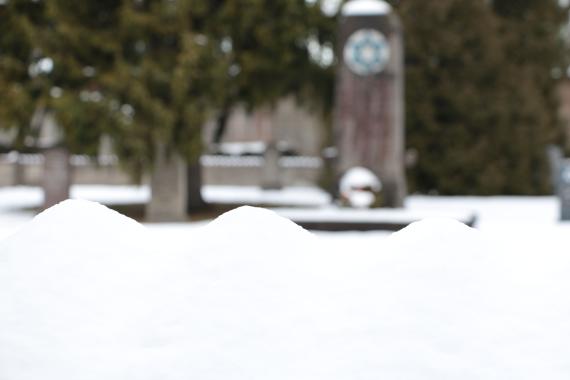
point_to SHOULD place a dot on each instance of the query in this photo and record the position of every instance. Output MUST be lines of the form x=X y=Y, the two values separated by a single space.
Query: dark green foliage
x=76 y=38
x=269 y=54
x=184 y=62
x=151 y=72
x=480 y=95
x=165 y=80
x=19 y=92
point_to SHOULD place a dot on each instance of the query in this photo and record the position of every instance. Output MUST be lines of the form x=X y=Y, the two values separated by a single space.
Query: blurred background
x=195 y=99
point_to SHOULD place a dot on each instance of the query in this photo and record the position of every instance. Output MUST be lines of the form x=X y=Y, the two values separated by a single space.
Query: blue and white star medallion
x=366 y=52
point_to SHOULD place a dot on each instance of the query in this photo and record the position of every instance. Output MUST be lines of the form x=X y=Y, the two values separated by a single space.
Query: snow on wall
x=85 y=294
x=366 y=8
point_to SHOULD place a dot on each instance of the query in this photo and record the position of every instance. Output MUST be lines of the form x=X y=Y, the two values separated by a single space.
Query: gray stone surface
x=564 y=189
x=240 y=171
x=168 y=188
x=301 y=128
x=555 y=159
x=369 y=104
x=271 y=170
x=56 y=176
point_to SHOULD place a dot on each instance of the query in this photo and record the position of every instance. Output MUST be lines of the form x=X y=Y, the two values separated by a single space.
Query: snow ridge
x=85 y=293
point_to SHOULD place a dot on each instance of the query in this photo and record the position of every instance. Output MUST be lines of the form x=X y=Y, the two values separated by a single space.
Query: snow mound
x=245 y=217
x=445 y=251
x=252 y=246
x=84 y=294
x=434 y=230
x=73 y=208
x=450 y=303
x=78 y=287
x=74 y=220
x=256 y=226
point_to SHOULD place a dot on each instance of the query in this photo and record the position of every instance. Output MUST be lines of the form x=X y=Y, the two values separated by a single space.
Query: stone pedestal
x=18 y=174
x=57 y=175
x=270 y=177
x=555 y=160
x=560 y=171
x=169 y=184
x=369 y=104
x=563 y=188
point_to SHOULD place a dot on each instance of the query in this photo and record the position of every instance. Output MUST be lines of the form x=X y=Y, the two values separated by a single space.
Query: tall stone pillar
x=57 y=171
x=56 y=179
x=369 y=104
x=271 y=173
x=563 y=187
x=168 y=183
x=270 y=177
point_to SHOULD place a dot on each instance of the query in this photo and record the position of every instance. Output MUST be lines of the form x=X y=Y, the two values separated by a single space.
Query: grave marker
x=564 y=189
x=369 y=104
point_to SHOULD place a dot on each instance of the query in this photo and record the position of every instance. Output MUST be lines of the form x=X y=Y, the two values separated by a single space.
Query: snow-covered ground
x=88 y=293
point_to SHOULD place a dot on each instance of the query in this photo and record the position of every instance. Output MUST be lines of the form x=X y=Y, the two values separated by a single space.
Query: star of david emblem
x=366 y=52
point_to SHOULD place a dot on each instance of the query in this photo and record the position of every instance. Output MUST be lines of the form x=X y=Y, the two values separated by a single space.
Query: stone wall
x=217 y=170
x=301 y=129
x=248 y=171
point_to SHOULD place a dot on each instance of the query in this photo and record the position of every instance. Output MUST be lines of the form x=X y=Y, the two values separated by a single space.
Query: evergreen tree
x=151 y=72
x=53 y=58
x=22 y=80
x=187 y=61
x=531 y=31
x=479 y=94
x=80 y=39
x=167 y=82
x=267 y=46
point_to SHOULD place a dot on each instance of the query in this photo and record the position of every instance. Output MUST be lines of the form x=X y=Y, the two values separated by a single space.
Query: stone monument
x=169 y=188
x=564 y=189
x=560 y=171
x=369 y=104
x=56 y=178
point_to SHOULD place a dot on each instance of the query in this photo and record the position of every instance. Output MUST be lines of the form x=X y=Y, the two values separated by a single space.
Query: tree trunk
x=57 y=176
x=168 y=201
x=195 y=200
x=221 y=124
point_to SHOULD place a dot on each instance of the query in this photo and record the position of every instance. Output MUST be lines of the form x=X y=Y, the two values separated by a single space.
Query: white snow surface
x=366 y=8
x=359 y=177
x=86 y=293
x=358 y=185
x=381 y=215
x=288 y=196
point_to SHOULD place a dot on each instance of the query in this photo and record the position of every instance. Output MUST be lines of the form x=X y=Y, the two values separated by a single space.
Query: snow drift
x=85 y=293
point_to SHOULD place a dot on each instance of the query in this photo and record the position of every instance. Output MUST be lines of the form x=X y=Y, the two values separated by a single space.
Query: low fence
x=26 y=169
x=248 y=171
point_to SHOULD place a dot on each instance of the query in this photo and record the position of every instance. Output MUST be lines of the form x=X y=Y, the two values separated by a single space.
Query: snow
x=241 y=148
x=359 y=187
x=359 y=177
x=338 y=214
x=288 y=196
x=88 y=293
x=15 y=198
x=366 y=8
